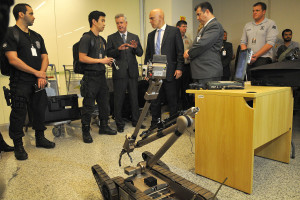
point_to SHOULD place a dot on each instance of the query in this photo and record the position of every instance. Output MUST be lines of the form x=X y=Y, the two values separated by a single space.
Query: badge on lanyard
x=33 y=51
x=253 y=40
x=224 y=52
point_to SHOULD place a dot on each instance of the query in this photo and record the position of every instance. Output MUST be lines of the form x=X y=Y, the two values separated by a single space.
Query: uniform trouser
x=120 y=86
x=23 y=99
x=168 y=90
x=94 y=88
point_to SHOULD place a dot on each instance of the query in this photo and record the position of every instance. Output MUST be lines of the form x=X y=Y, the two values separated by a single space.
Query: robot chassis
x=151 y=178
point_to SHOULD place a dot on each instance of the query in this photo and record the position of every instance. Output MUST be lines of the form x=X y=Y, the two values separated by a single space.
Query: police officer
x=26 y=52
x=259 y=35
x=226 y=56
x=94 y=85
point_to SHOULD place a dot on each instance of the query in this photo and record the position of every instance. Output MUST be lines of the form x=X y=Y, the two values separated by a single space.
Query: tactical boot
x=19 y=150
x=86 y=136
x=3 y=146
x=105 y=129
x=41 y=141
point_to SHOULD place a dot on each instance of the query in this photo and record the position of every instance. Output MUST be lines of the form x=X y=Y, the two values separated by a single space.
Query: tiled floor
x=65 y=171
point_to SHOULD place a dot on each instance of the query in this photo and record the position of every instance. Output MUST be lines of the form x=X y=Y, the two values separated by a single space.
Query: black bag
x=78 y=67
x=64 y=107
x=4 y=64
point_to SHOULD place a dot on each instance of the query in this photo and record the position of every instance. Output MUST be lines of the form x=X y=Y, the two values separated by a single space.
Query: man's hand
x=186 y=54
x=178 y=74
x=41 y=83
x=107 y=60
x=40 y=74
x=123 y=46
x=133 y=44
x=253 y=59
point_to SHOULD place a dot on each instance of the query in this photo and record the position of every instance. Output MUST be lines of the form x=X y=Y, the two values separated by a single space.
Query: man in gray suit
x=124 y=47
x=205 y=54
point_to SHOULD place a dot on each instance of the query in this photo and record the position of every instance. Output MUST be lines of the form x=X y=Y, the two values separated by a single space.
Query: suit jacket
x=125 y=59
x=171 y=46
x=205 y=52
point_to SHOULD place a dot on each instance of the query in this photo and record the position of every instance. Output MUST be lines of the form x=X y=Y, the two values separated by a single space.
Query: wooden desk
x=234 y=125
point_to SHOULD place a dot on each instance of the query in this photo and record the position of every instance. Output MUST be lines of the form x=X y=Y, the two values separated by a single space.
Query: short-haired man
x=184 y=81
x=26 y=52
x=287 y=35
x=205 y=56
x=260 y=36
x=94 y=86
x=124 y=46
x=226 y=56
x=165 y=40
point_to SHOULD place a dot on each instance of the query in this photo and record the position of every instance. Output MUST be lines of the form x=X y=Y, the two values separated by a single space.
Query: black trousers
x=94 y=88
x=184 y=100
x=260 y=61
x=23 y=95
x=169 y=92
x=120 y=87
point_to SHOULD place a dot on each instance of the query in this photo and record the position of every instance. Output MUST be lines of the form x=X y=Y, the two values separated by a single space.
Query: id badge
x=100 y=55
x=253 y=40
x=224 y=53
x=33 y=51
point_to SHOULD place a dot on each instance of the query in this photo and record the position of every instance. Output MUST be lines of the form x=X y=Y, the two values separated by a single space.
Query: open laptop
x=238 y=83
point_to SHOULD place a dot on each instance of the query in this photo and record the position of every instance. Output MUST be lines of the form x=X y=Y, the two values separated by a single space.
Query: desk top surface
x=249 y=91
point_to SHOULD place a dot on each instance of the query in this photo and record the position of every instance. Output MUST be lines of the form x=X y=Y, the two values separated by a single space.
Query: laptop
x=238 y=83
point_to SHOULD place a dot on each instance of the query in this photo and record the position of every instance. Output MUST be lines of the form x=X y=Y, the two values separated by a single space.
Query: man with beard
x=287 y=36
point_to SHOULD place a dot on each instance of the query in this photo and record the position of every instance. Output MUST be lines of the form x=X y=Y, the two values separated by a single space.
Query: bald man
x=165 y=40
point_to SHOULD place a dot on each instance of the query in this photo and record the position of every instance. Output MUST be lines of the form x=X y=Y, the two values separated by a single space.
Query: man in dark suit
x=205 y=55
x=124 y=47
x=226 y=56
x=165 y=40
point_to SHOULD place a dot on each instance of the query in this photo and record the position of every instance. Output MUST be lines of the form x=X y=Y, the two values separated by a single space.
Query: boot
x=3 y=146
x=105 y=129
x=86 y=136
x=20 y=152
x=41 y=141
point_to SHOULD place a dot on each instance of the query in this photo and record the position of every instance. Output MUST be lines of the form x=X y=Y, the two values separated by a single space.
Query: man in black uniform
x=94 y=85
x=226 y=56
x=25 y=50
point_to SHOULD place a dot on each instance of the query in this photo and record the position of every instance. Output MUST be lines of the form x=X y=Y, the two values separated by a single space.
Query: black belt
x=94 y=73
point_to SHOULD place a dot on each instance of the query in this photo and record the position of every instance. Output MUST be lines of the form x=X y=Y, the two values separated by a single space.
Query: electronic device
x=238 y=83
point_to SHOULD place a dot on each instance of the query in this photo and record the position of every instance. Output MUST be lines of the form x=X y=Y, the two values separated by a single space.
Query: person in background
x=226 y=56
x=287 y=35
x=260 y=36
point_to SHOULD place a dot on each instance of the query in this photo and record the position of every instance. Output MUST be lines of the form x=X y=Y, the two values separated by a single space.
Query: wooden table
x=234 y=125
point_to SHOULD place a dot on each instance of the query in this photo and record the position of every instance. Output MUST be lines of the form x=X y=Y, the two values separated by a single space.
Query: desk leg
x=277 y=149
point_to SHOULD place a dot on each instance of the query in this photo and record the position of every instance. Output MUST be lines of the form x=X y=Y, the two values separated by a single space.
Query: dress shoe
x=105 y=129
x=142 y=126
x=3 y=146
x=120 y=129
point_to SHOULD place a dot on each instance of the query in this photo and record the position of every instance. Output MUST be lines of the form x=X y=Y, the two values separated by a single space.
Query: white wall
x=62 y=22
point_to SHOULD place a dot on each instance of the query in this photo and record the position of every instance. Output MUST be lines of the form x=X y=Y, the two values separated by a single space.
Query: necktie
x=123 y=37
x=157 y=45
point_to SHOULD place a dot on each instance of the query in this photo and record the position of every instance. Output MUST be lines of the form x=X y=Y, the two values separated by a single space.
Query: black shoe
x=44 y=143
x=87 y=138
x=142 y=126
x=19 y=150
x=120 y=129
x=105 y=129
x=3 y=146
